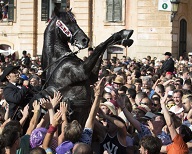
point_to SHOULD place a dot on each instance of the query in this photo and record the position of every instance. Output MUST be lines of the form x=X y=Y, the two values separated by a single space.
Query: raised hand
x=63 y=107
x=150 y=126
x=163 y=99
x=165 y=129
x=36 y=106
x=100 y=87
x=25 y=111
x=57 y=118
x=45 y=103
x=56 y=98
x=25 y=82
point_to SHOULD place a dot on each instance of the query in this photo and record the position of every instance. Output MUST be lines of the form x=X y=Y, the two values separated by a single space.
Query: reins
x=58 y=60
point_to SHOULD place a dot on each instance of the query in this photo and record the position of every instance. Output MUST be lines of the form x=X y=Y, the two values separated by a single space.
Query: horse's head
x=67 y=28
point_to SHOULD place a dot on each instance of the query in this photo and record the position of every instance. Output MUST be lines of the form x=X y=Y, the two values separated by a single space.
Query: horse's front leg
x=117 y=38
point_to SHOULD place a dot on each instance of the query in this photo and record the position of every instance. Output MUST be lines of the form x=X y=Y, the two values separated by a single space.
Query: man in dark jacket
x=15 y=96
x=168 y=65
x=25 y=59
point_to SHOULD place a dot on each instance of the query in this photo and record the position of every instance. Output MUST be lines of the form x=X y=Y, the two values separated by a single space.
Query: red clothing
x=178 y=146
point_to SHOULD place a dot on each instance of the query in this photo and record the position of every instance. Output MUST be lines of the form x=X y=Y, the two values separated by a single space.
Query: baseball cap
x=169 y=73
x=65 y=148
x=37 y=136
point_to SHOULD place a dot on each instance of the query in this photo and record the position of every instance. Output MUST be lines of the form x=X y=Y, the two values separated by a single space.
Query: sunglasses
x=170 y=105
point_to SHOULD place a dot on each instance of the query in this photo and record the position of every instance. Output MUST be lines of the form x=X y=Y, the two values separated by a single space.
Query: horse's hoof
x=127 y=43
x=123 y=34
x=126 y=34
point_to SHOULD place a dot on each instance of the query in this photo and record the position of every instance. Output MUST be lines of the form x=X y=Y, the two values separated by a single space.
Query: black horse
x=64 y=71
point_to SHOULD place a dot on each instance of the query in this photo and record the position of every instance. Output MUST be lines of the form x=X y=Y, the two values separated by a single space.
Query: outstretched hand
x=25 y=111
x=36 y=106
x=45 y=103
x=100 y=87
x=163 y=99
x=150 y=126
x=56 y=98
x=63 y=107
x=57 y=118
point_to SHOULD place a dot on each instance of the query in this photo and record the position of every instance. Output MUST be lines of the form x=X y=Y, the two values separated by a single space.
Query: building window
x=114 y=10
x=47 y=7
x=183 y=37
x=44 y=10
x=7 y=10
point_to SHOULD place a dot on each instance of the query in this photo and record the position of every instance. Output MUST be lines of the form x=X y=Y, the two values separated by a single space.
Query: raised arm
x=45 y=103
x=35 y=118
x=95 y=107
x=120 y=125
x=156 y=83
x=168 y=118
x=6 y=111
x=128 y=115
x=25 y=114
x=63 y=109
x=56 y=99
x=52 y=129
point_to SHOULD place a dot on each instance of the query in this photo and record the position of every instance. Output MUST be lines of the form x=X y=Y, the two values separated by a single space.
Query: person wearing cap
x=108 y=108
x=168 y=65
x=118 y=82
x=169 y=75
x=15 y=97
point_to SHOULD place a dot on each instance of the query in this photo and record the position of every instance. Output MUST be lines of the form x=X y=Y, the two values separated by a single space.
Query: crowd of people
x=139 y=106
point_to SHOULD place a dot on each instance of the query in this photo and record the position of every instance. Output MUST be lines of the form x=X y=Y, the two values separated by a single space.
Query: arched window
x=114 y=10
x=183 y=37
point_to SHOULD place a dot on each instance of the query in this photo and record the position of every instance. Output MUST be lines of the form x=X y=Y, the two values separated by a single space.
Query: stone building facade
x=154 y=33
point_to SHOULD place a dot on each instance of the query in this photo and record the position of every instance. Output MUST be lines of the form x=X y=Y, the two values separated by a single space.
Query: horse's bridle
x=67 y=32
